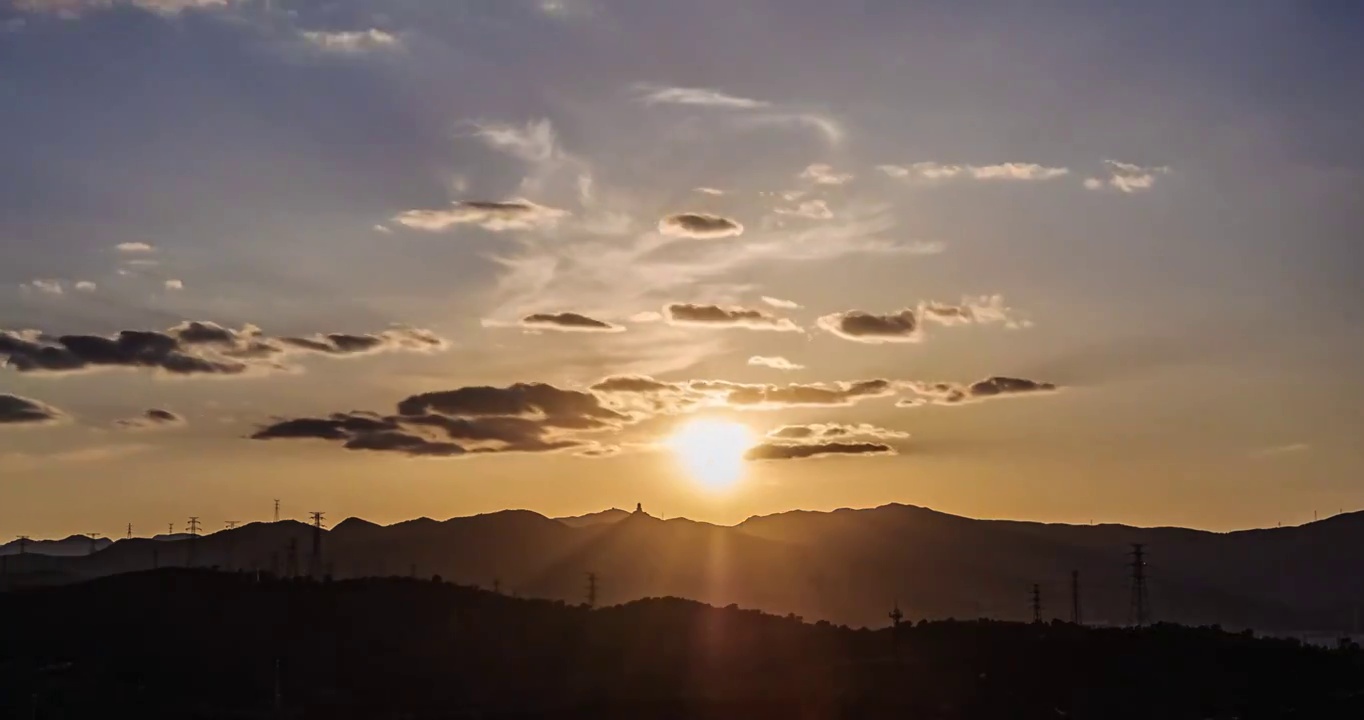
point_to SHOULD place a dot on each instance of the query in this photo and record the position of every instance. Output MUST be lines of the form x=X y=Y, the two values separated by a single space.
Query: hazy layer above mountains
x=846 y=566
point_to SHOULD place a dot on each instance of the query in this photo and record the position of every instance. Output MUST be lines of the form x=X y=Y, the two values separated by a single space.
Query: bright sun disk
x=712 y=451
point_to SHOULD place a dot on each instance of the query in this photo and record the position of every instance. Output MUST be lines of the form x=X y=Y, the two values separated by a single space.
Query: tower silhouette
x=896 y=616
x=94 y=542
x=276 y=509
x=23 y=544
x=1036 y=603
x=291 y=560
x=315 y=558
x=130 y=531
x=591 y=590
x=1076 y=616
x=1140 y=608
x=193 y=527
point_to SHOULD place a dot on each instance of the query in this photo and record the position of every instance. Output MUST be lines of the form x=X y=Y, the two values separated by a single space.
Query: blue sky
x=1146 y=210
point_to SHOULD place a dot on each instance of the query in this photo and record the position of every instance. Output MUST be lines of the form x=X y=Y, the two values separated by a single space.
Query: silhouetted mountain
x=596 y=518
x=66 y=547
x=846 y=566
x=197 y=644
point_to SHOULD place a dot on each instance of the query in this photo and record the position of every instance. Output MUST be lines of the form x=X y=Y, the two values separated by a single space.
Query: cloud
x=699 y=225
x=15 y=410
x=863 y=327
x=195 y=348
x=525 y=417
x=812 y=209
x=979 y=310
x=664 y=95
x=568 y=322
x=350 y=41
x=494 y=216
x=772 y=397
x=825 y=431
x=134 y=247
x=646 y=316
x=780 y=303
x=535 y=142
x=935 y=171
x=783 y=451
x=634 y=384
x=1278 y=450
x=710 y=191
x=382 y=228
x=75 y=8
x=774 y=362
x=151 y=420
x=716 y=316
x=827 y=127
x=51 y=287
x=175 y=285
x=86 y=286
x=948 y=393
x=822 y=174
x=1127 y=177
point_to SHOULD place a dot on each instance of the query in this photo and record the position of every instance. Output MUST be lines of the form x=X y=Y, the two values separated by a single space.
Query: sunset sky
x=400 y=258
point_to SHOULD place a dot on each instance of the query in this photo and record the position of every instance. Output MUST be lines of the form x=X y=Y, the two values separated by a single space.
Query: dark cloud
x=699 y=225
x=948 y=393
x=151 y=419
x=782 y=451
x=569 y=322
x=194 y=348
x=793 y=395
x=15 y=410
x=865 y=327
x=494 y=216
x=717 y=316
x=817 y=431
x=633 y=384
x=531 y=417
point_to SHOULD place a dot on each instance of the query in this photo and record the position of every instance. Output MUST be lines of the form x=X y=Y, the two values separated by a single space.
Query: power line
x=1076 y=616
x=1140 y=600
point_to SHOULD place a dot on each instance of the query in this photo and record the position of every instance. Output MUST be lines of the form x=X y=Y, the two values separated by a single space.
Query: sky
x=402 y=258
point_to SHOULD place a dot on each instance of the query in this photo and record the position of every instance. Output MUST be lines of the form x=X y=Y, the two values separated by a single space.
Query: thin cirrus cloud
x=780 y=303
x=701 y=226
x=1127 y=177
x=19 y=411
x=689 y=314
x=743 y=112
x=75 y=8
x=864 y=327
x=775 y=362
x=977 y=310
x=1009 y=171
x=195 y=348
x=518 y=214
x=568 y=322
x=42 y=285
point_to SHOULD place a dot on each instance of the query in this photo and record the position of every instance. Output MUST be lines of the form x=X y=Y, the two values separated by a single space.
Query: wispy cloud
x=351 y=41
x=1280 y=450
x=1009 y=171
x=1127 y=177
x=134 y=247
x=775 y=362
x=823 y=174
x=518 y=214
x=662 y=94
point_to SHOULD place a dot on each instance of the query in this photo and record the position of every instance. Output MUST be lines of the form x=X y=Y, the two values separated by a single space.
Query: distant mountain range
x=847 y=566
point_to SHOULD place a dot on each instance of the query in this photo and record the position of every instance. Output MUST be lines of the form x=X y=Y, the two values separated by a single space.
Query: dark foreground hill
x=200 y=644
x=846 y=566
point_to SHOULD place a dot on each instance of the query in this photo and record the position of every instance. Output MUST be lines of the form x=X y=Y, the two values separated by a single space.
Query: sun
x=712 y=451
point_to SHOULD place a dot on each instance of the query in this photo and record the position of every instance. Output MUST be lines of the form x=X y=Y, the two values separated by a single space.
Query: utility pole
x=1076 y=616
x=276 y=509
x=1140 y=602
x=1036 y=603
x=591 y=590
x=94 y=542
x=315 y=561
